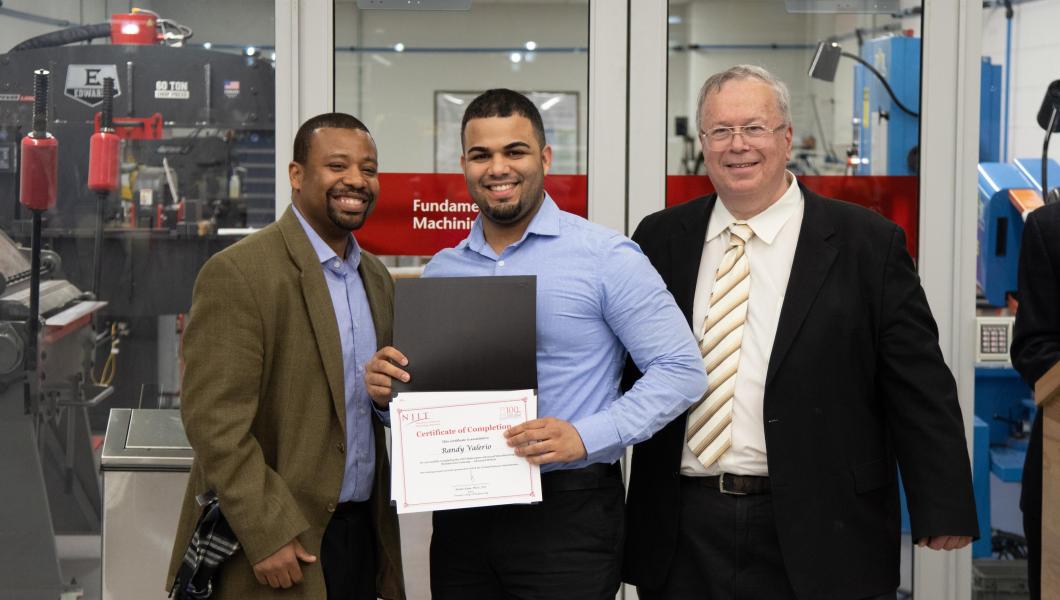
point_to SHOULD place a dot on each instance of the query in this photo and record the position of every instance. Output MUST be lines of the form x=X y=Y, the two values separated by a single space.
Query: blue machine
x=1003 y=402
x=990 y=84
x=1001 y=225
x=885 y=133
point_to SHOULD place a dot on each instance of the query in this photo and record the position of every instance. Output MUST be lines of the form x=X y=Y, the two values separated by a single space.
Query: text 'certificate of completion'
x=449 y=450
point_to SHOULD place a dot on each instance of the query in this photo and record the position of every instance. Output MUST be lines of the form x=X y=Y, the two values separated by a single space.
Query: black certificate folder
x=467 y=333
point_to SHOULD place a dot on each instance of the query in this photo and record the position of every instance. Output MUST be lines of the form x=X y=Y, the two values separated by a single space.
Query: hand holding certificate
x=467 y=354
x=449 y=450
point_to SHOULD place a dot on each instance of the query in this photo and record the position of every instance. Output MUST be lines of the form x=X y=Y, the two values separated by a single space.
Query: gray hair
x=740 y=72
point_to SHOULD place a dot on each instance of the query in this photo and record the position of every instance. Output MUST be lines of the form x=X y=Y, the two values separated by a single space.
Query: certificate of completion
x=449 y=450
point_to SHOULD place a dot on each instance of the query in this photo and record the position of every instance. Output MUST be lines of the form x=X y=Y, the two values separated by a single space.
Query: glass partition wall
x=409 y=74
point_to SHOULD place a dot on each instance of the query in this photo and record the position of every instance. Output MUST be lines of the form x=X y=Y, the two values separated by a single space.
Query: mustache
x=364 y=195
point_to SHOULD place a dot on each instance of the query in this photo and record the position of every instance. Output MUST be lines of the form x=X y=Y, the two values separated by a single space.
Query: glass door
x=906 y=148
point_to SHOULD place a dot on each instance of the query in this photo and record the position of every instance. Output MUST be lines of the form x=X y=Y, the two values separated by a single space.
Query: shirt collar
x=323 y=250
x=545 y=222
x=766 y=224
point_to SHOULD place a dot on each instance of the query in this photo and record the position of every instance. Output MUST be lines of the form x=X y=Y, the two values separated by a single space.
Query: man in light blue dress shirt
x=598 y=298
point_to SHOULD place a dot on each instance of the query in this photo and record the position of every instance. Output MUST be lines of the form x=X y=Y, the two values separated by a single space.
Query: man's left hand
x=945 y=542
x=546 y=440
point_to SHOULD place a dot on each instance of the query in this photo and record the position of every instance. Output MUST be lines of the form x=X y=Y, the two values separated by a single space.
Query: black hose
x=81 y=33
x=886 y=86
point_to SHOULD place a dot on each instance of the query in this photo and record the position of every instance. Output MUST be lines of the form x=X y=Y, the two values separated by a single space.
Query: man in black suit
x=1036 y=348
x=825 y=374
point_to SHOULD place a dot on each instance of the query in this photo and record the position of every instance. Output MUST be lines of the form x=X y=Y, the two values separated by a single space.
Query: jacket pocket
x=873 y=475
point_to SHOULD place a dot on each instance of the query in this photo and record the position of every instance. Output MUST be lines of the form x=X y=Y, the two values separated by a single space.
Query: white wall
x=1035 y=49
x=15 y=30
x=394 y=92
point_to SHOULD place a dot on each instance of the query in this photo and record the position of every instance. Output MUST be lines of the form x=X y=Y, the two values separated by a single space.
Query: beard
x=346 y=221
x=507 y=213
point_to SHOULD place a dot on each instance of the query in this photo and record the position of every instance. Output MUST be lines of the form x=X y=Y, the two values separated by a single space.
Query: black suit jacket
x=1036 y=339
x=856 y=385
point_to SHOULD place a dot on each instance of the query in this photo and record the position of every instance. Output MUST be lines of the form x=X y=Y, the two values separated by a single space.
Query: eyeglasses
x=719 y=138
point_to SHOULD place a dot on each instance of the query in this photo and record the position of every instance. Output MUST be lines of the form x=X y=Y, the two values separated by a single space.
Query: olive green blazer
x=263 y=407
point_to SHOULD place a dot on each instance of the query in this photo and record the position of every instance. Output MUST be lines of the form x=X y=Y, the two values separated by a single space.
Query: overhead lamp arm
x=826 y=61
x=886 y=85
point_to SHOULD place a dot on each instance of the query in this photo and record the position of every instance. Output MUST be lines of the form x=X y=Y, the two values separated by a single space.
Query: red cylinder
x=103 y=162
x=134 y=28
x=40 y=166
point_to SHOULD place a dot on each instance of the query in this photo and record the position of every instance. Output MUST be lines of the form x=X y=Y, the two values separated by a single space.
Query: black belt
x=736 y=485
x=592 y=477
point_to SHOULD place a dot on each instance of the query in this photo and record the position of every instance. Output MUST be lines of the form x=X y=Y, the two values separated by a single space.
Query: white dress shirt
x=770 y=253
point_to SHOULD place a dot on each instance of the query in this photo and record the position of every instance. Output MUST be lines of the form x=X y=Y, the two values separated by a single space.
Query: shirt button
x=330 y=507
x=336 y=264
x=341 y=447
x=500 y=263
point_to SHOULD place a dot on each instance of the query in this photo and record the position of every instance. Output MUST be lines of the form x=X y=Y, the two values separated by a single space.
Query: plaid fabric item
x=211 y=544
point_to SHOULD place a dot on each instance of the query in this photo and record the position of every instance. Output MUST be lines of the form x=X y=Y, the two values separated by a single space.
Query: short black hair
x=334 y=120
x=501 y=102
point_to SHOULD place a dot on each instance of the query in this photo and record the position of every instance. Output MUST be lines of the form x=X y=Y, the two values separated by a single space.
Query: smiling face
x=505 y=168
x=337 y=187
x=747 y=173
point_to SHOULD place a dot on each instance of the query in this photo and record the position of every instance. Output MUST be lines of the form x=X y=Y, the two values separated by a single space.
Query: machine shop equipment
x=885 y=121
x=169 y=102
x=50 y=474
x=196 y=158
x=196 y=129
x=1008 y=193
x=190 y=136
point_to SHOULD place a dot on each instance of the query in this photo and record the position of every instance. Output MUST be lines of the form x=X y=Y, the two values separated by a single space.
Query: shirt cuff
x=599 y=435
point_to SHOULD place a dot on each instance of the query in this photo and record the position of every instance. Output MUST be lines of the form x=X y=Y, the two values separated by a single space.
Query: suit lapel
x=686 y=250
x=814 y=255
x=318 y=304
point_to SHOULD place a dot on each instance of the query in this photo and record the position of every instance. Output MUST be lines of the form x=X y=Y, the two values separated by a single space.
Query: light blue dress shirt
x=357 y=332
x=597 y=297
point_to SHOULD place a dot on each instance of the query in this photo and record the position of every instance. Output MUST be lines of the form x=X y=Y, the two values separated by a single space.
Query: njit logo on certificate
x=414 y=416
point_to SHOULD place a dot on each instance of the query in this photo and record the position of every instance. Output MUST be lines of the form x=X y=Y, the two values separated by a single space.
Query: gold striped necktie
x=710 y=420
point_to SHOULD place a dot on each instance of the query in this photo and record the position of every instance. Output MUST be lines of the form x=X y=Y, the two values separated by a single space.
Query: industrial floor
x=80 y=561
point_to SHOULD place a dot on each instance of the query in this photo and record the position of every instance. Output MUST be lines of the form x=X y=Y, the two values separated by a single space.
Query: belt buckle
x=721 y=487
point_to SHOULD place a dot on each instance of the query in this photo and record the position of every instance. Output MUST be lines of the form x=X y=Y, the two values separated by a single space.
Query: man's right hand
x=281 y=568
x=380 y=372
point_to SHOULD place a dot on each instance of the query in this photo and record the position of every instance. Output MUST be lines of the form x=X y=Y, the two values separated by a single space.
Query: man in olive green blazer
x=268 y=398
